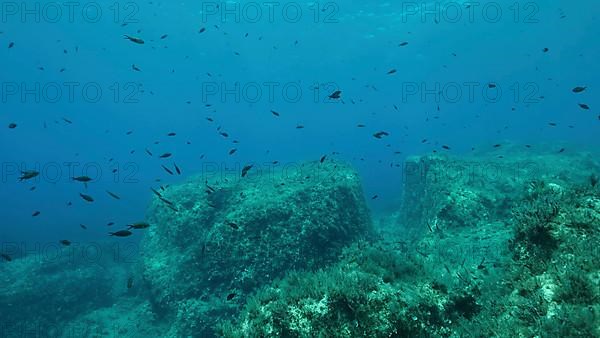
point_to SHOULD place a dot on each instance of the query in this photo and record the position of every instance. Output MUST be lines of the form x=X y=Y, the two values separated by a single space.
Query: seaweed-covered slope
x=231 y=236
x=42 y=293
x=512 y=257
x=481 y=188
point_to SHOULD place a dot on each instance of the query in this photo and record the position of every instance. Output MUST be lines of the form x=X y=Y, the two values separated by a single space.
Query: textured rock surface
x=232 y=236
x=41 y=293
x=511 y=257
x=481 y=188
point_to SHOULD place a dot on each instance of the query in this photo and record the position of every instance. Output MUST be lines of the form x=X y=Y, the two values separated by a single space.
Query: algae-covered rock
x=350 y=299
x=516 y=257
x=231 y=236
x=521 y=245
x=475 y=190
x=44 y=291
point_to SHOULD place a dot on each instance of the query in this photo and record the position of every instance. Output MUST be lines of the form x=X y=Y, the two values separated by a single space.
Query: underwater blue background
x=355 y=51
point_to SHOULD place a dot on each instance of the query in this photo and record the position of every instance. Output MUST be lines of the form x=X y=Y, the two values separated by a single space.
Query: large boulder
x=217 y=238
x=513 y=255
x=450 y=192
x=42 y=292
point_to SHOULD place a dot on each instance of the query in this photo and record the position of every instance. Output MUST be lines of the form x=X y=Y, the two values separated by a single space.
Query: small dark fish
x=138 y=225
x=83 y=179
x=579 y=89
x=166 y=155
x=402 y=44
x=497 y=145
x=148 y=152
x=171 y=134
x=360 y=126
x=164 y=37
x=491 y=85
x=121 y=233
x=113 y=195
x=545 y=50
x=110 y=224
x=67 y=120
x=87 y=198
x=166 y=201
x=177 y=169
x=202 y=30
x=27 y=175
x=232 y=151
x=446 y=147
x=231 y=296
x=11 y=45
x=552 y=124
x=156 y=192
x=65 y=242
x=167 y=170
x=224 y=134
x=584 y=106
x=12 y=126
x=134 y=39
x=130 y=282
x=83 y=226
x=391 y=71
x=245 y=169
x=299 y=126
x=561 y=150
x=172 y=208
x=233 y=225
x=322 y=158
x=336 y=94
x=380 y=134
x=6 y=257
x=136 y=68
x=374 y=197
x=275 y=113
x=35 y=214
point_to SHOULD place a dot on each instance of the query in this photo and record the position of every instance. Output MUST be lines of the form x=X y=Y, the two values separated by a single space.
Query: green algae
x=469 y=253
x=515 y=254
x=280 y=224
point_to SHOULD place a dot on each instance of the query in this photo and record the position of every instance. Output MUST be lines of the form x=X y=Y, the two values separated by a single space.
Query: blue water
x=346 y=46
